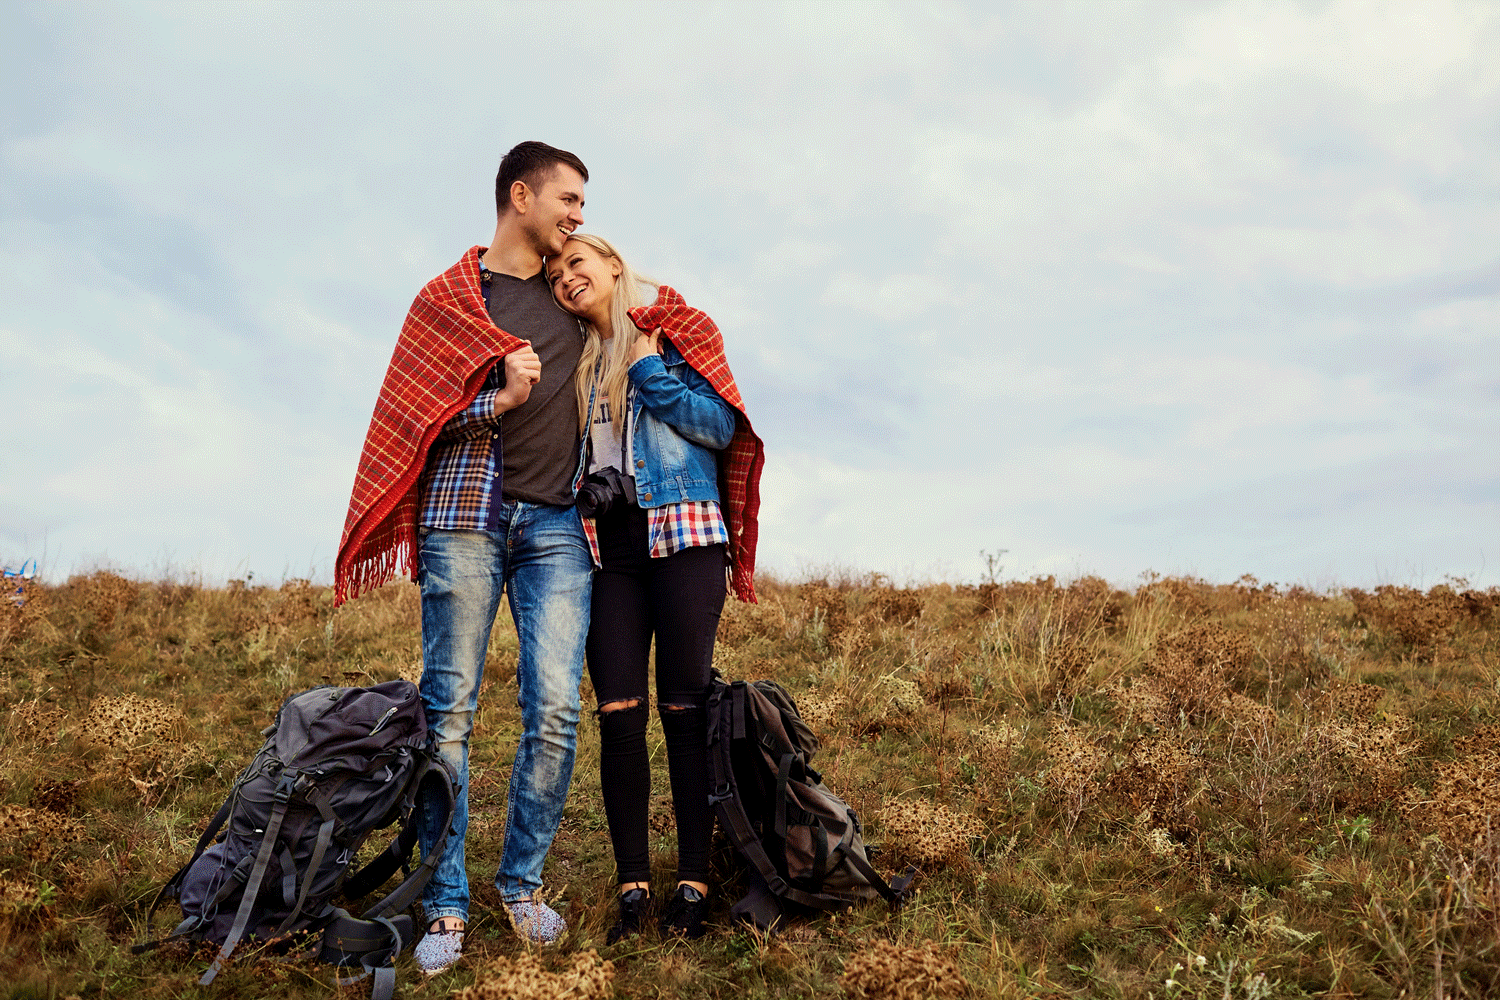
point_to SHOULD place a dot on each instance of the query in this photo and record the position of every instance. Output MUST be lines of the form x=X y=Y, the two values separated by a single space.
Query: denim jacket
x=678 y=422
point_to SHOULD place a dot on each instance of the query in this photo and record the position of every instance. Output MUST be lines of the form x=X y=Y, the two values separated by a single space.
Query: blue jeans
x=541 y=557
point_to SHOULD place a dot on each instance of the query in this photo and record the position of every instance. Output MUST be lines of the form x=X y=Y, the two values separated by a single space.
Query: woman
x=665 y=425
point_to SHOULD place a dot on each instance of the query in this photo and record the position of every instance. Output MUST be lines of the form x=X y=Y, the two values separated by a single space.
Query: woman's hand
x=645 y=345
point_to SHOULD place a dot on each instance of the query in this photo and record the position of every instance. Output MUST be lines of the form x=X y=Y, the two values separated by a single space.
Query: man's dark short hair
x=532 y=163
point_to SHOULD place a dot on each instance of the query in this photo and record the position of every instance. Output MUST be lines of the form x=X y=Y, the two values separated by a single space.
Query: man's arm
x=523 y=369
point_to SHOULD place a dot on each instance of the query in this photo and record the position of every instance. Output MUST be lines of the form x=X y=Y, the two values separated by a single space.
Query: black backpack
x=337 y=764
x=802 y=844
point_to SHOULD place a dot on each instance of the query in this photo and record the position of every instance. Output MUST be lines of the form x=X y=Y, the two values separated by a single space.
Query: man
x=467 y=481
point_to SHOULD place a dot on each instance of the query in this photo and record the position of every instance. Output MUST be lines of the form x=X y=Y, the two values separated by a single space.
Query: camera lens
x=594 y=499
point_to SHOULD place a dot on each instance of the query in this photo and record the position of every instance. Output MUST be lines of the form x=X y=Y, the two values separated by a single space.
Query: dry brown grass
x=1462 y=804
x=1298 y=786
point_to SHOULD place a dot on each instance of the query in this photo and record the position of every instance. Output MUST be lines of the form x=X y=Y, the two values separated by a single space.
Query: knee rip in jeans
x=624 y=704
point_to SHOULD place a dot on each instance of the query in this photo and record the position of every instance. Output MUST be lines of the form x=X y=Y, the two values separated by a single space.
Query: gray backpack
x=802 y=844
x=338 y=763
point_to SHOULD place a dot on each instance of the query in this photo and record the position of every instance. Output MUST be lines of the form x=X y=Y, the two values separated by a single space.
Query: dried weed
x=1159 y=778
x=1461 y=806
x=924 y=832
x=888 y=971
x=1421 y=621
x=36 y=835
x=32 y=721
x=823 y=713
x=1196 y=667
x=1075 y=770
x=128 y=722
x=527 y=977
x=995 y=746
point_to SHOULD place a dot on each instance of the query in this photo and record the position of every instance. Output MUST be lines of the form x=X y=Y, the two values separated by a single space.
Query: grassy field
x=1181 y=790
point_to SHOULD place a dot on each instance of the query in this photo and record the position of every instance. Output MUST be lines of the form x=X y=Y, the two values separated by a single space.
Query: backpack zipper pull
x=380 y=723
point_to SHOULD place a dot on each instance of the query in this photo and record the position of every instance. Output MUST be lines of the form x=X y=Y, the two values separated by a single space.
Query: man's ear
x=520 y=197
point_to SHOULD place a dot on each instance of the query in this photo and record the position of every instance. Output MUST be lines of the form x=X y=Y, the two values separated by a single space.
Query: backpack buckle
x=285 y=785
x=720 y=794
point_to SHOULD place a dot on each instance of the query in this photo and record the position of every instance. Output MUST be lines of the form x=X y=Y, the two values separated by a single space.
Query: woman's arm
x=689 y=404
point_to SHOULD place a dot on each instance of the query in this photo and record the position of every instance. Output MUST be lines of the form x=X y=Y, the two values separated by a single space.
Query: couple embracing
x=547 y=431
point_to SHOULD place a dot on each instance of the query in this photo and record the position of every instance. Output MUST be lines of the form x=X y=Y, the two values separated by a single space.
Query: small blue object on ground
x=27 y=572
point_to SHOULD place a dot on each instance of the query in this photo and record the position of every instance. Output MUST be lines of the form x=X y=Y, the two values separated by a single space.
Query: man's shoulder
x=454 y=280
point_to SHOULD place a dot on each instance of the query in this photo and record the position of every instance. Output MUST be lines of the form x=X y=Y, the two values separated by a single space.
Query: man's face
x=556 y=210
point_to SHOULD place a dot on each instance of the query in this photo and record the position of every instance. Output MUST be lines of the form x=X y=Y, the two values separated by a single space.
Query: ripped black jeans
x=678 y=600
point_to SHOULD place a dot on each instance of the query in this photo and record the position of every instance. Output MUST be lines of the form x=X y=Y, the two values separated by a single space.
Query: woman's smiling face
x=582 y=280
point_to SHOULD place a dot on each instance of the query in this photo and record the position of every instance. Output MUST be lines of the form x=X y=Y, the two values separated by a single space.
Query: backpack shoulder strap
x=374 y=944
x=724 y=722
x=282 y=796
x=325 y=837
x=897 y=889
x=436 y=781
x=383 y=866
x=174 y=884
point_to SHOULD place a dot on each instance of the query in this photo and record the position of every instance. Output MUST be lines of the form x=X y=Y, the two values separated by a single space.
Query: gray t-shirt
x=539 y=439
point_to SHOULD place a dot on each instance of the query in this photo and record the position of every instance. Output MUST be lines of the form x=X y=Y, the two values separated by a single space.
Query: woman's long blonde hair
x=611 y=376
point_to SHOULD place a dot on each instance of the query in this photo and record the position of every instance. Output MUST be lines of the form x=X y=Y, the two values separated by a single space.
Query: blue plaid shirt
x=457 y=485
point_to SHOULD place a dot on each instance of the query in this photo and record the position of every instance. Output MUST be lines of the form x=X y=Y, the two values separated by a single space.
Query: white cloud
x=1056 y=278
x=1470 y=322
x=898 y=298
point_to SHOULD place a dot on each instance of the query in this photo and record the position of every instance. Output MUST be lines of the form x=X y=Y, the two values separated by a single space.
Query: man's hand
x=523 y=369
x=645 y=345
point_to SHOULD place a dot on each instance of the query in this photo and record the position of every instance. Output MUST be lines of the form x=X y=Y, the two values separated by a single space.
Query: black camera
x=600 y=491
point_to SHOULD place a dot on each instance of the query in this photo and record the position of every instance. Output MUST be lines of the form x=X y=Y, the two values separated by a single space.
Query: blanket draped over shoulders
x=697 y=337
x=447 y=347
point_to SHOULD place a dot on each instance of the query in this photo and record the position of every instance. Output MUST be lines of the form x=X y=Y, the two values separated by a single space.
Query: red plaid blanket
x=446 y=349
x=697 y=337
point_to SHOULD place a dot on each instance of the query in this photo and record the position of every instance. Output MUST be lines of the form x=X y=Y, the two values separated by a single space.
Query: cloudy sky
x=1206 y=288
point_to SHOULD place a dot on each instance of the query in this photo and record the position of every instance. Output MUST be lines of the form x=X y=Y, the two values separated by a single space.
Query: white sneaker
x=535 y=921
x=439 y=950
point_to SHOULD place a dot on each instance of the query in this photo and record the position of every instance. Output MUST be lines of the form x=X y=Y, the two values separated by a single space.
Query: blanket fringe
x=378 y=559
x=373 y=572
